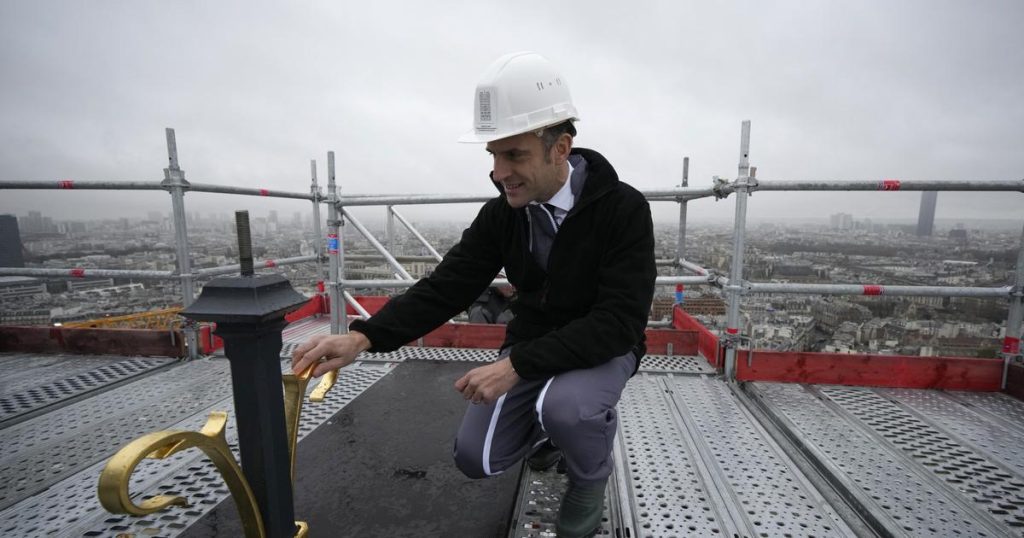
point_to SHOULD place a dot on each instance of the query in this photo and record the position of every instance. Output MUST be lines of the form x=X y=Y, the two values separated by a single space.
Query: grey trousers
x=576 y=410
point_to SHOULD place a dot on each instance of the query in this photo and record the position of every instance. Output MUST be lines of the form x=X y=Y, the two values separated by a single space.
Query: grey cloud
x=867 y=90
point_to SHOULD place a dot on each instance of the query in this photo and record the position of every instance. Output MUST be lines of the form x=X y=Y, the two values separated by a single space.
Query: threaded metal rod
x=244 y=242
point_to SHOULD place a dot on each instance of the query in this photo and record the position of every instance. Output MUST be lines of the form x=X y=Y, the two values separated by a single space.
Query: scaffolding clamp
x=720 y=187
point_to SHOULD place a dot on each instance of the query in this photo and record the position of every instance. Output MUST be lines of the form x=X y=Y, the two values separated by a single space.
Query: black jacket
x=590 y=306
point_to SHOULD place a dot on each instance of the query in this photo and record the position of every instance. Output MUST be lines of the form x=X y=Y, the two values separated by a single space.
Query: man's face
x=523 y=172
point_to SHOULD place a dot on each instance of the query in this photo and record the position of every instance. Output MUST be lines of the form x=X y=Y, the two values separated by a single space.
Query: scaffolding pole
x=71 y=184
x=380 y=284
x=672 y=280
x=376 y=245
x=262 y=264
x=411 y=199
x=692 y=267
x=681 y=238
x=412 y=229
x=335 y=252
x=249 y=191
x=356 y=306
x=875 y=289
x=318 y=243
x=1014 y=185
x=389 y=229
x=1011 y=340
x=81 y=272
x=378 y=257
x=734 y=289
x=175 y=183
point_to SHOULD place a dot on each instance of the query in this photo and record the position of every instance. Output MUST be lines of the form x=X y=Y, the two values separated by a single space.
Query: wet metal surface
x=691 y=458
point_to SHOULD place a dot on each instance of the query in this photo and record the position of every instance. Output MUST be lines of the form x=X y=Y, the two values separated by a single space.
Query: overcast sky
x=835 y=90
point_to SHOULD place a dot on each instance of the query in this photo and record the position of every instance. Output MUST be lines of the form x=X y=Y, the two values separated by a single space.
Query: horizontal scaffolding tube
x=264 y=264
x=677 y=194
x=69 y=184
x=681 y=194
x=667 y=280
x=867 y=289
x=411 y=199
x=891 y=185
x=373 y=284
x=79 y=272
x=692 y=267
x=249 y=191
x=378 y=257
x=377 y=284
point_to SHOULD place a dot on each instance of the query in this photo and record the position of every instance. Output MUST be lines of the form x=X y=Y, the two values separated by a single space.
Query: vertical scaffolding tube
x=335 y=250
x=681 y=238
x=389 y=230
x=318 y=243
x=175 y=183
x=735 y=287
x=1011 y=340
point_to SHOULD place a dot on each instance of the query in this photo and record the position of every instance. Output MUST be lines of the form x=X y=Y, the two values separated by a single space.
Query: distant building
x=926 y=217
x=841 y=221
x=13 y=287
x=80 y=285
x=10 y=242
x=707 y=305
x=661 y=307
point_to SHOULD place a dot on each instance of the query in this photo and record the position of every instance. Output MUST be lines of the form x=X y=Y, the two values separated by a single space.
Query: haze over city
x=872 y=90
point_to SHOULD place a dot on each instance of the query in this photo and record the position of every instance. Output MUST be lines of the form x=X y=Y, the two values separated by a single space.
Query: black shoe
x=545 y=457
x=581 y=511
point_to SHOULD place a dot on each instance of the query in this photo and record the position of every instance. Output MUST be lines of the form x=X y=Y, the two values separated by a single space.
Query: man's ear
x=562 y=148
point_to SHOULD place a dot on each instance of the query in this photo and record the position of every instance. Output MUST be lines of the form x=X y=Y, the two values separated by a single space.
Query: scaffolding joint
x=174 y=177
x=720 y=187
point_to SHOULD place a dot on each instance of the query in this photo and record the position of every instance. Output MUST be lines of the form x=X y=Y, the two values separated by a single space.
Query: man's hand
x=487 y=383
x=339 y=350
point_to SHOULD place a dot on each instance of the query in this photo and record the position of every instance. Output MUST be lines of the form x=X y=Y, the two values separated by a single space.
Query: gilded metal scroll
x=116 y=475
x=113 y=485
x=325 y=385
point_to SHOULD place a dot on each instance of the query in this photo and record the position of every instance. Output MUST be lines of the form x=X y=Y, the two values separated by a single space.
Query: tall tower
x=10 y=242
x=926 y=218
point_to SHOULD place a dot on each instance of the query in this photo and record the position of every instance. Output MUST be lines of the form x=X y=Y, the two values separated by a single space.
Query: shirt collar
x=563 y=199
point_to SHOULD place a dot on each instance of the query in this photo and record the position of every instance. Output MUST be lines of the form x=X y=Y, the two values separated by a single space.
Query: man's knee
x=563 y=415
x=559 y=413
x=469 y=463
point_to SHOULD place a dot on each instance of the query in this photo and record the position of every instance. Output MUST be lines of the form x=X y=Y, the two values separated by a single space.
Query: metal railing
x=734 y=286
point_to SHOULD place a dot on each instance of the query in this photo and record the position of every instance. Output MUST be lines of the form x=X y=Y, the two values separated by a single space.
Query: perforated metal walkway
x=694 y=456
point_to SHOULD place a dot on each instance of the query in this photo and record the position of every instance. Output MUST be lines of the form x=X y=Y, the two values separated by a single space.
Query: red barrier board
x=949 y=373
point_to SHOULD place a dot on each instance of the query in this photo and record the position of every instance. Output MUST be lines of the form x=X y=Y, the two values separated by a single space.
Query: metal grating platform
x=48 y=481
x=59 y=383
x=303 y=329
x=650 y=363
x=915 y=462
x=690 y=461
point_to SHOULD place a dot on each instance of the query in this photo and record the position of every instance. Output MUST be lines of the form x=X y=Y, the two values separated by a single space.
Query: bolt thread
x=244 y=242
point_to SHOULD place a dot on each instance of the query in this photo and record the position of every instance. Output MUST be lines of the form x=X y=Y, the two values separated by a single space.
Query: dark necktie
x=544 y=228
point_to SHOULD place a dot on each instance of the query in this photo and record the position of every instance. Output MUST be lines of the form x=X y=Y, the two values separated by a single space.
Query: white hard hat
x=518 y=93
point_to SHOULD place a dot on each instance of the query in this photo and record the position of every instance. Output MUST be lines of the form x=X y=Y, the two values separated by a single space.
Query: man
x=578 y=246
